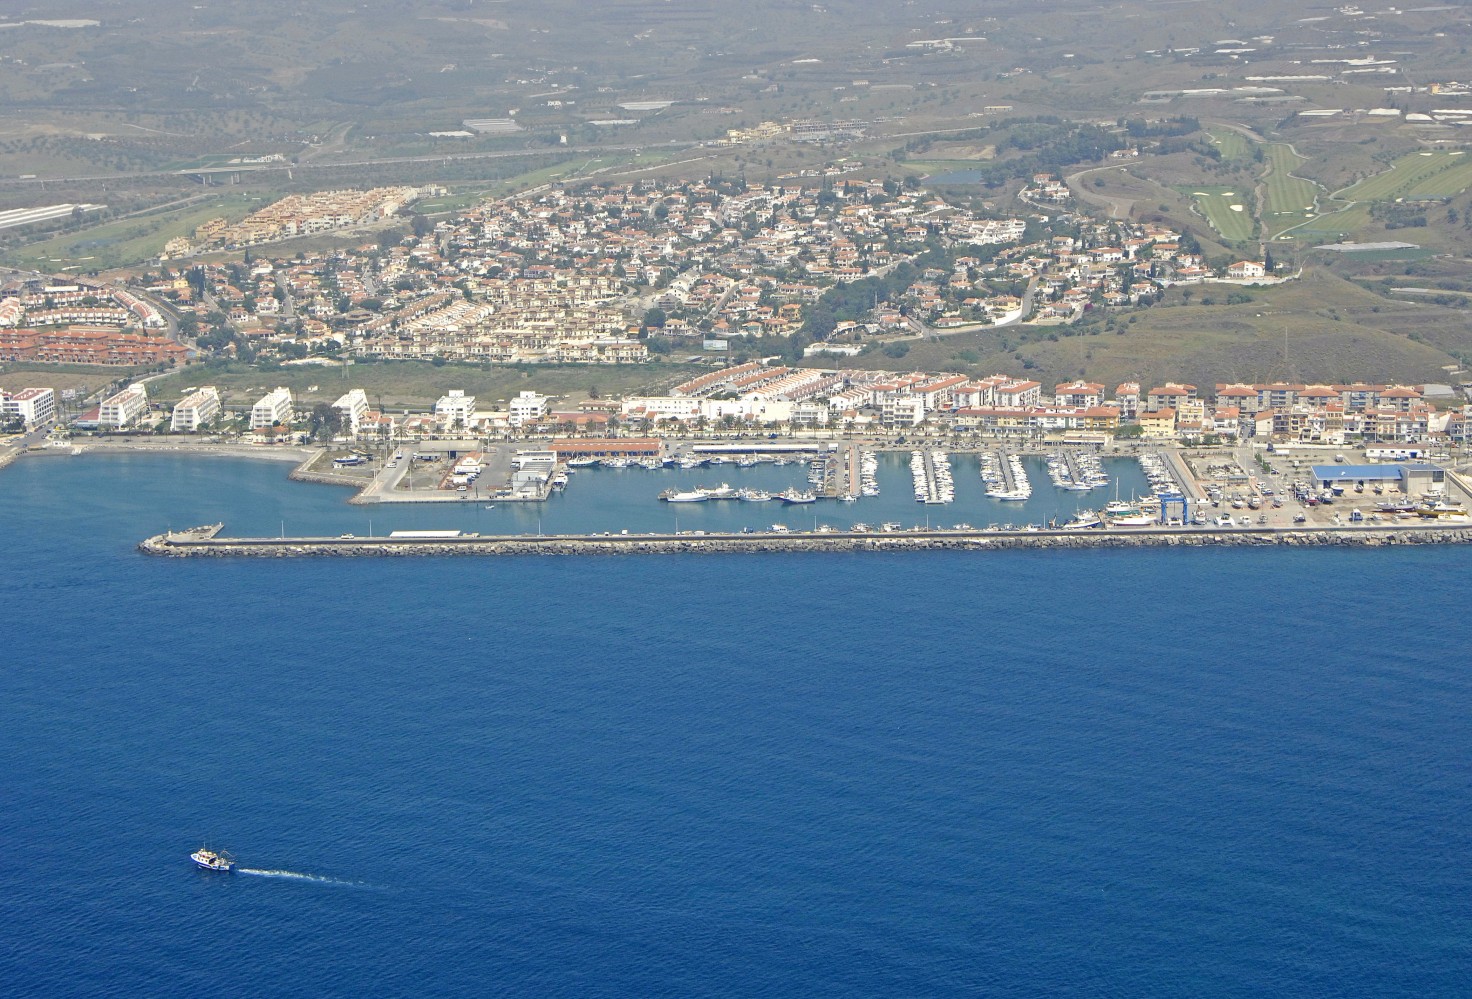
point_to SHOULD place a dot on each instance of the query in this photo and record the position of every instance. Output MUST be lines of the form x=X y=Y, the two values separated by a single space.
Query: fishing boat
x=795 y=497
x=1083 y=520
x=678 y=496
x=1125 y=514
x=212 y=860
x=754 y=496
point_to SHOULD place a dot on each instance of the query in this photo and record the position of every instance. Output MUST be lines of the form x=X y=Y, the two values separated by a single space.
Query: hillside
x=1323 y=328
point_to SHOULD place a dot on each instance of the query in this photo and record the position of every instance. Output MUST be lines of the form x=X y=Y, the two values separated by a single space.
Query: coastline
x=206 y=542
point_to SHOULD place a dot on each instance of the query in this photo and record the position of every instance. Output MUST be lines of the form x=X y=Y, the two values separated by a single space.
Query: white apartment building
x=32 y=406
x=275 y=407
x=196 y=409
x=122 y=410
x=352 y=406
x=902 y=410
x=527 y=407
x=663 y=407
x=454 y=409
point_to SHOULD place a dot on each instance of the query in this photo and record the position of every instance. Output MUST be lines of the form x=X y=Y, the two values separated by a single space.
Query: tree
x=655 y=318
x=325 y=423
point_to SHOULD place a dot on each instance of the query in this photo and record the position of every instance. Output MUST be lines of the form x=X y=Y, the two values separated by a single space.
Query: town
x=612 y=274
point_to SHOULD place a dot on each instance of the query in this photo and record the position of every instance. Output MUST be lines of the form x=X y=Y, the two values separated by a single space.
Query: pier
x=932 y=473
x=1004 y=476
x=829 y=474
x=208 y=542
x=853 y=472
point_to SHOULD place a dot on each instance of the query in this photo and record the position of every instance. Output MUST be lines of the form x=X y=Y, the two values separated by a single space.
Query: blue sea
x=1094 y=773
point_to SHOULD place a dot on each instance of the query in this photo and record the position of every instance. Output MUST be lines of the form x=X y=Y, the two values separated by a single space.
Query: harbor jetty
x=209 y=542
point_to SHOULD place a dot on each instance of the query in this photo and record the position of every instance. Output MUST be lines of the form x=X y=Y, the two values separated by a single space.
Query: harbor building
x=454 y=410
x=274 y=408
x=123 y=409
x=531 y=474
x=1409 y=479
x=196 y=410
x=353 y=406
x=32 y=406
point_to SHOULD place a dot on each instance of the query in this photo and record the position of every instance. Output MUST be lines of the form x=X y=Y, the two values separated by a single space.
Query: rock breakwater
x=195 y=545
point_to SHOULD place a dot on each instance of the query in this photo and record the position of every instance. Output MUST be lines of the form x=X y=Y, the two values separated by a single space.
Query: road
x=1119 y=208
x=336 y=165
x=927 y=332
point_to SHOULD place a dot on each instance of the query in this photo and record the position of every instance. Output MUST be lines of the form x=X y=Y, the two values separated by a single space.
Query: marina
x=931 y=470
x=1076 y=471
x=696 y=489
x=1005 y=477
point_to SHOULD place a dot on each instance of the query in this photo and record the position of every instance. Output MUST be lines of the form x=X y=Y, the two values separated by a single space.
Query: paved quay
x=208 y=542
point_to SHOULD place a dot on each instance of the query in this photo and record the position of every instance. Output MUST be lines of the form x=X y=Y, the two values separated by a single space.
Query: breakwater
x=207 y=542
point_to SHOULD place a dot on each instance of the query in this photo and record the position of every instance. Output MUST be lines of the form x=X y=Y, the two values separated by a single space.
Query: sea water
x=1209 y=772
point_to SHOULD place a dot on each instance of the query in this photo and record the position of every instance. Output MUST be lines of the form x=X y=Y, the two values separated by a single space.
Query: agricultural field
x=1228 y=210
x=1441 y=174
x=1233 y=145
x=125 y=241
x=1290 y=199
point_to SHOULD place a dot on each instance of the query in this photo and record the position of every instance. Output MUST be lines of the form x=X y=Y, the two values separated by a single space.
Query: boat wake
x=293 y=876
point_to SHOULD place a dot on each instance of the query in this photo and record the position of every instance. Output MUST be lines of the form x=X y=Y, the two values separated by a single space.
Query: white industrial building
x=274 y=408
x=32 y=406
x=122 y=410
x=195 y=410
x=531 y=471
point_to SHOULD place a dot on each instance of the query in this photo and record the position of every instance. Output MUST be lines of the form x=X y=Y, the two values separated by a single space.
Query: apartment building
x=196 y=410
x=32 y=406
x=123 y=409
x=274 y=408
x=352 y=406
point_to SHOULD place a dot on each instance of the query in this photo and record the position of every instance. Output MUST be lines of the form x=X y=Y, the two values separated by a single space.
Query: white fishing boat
x=213 y=860
x=1083 y=520
x=794 y=496
x=690 y=496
